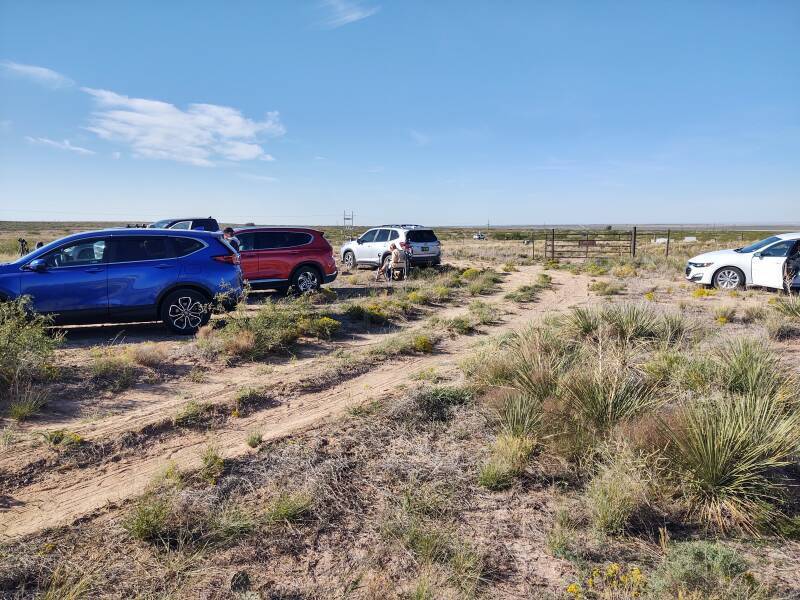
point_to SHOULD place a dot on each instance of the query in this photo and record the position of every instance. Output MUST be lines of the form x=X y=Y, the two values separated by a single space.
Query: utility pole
x=348 y=223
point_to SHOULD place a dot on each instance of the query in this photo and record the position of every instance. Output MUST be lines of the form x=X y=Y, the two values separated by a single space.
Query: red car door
x=249 y=255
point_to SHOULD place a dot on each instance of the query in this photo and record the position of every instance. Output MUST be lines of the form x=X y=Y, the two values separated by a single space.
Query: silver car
x=372 y=248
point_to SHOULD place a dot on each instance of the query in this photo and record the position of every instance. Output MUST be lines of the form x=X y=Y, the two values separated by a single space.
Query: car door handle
x=94 y=270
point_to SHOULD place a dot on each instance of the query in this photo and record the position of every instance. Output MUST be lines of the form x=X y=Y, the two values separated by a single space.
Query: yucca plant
x=608 y=392
x=788 y=306
x=539 y=357
x=520 y=415
x=725 y=451
x=581 y=322
x=749 y=366
x=631 y=321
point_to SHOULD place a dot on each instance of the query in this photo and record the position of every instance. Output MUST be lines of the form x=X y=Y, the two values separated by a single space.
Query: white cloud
x=420 y=139
x=200 y=135
x=40 y=75
x=116 y=155
x=252 y=177
x=343 y=12
x=65 y=145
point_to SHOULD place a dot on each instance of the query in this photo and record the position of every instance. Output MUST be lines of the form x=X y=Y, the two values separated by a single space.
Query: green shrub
x=724 y=314
x=422 y=343
x=149 y=518
x=213 y=465
x=724 y=452
x=436 y=403
x=788 y=306
x=606 y=288
x=289 y=507
x=112 y=369
x=26 y=347
x=749 y=366
x=254 y=439
x=620 y=489
x=509 y=457
x=483 y=312
x=191 y=414
x=524 y=294
x=471 y=274
x=320 y=327
x=25 y=402
x=520 y=415
x=702 y=569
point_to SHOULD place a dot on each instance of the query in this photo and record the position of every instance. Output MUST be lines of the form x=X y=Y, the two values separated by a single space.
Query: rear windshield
x=421 y=236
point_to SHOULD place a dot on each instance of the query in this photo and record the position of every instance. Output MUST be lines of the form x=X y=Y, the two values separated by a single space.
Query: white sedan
x=767 y=263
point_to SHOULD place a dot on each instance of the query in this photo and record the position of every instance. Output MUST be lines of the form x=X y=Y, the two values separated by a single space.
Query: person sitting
x=397 y=260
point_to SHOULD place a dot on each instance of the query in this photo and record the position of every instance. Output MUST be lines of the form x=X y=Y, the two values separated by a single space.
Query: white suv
x=372 y=248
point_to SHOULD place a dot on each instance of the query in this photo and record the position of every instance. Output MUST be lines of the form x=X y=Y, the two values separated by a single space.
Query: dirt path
x=61 y=497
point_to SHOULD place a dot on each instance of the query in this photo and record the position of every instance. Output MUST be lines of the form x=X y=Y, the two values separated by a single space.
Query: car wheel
x=306 y=279
x=729 y=278
x=349 y=260
x=185 y=311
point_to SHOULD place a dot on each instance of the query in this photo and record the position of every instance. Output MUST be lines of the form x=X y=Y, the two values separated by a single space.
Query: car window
x=247 y=241
x=138 y=247
x=160 y=224
x=182 y=225
x=205 y=225
x=780 y=249
x=84 y=252
x=421 y=236
x=382 y=235
x=368 y=236
x=760 y=244
x=268 y=240
x=184 y=246
x=393 y=235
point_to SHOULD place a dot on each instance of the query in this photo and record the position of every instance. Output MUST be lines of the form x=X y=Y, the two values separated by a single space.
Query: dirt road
x=59 y=497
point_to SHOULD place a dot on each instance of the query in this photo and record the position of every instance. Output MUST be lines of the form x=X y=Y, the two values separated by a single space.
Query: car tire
x=306 y=279
x=729 y=278
x=349 y=260
x=185 y=311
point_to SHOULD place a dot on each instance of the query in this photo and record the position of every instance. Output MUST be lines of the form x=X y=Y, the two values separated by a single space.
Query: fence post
x=553 y=244
x=533 y=246
x=668 y=236
x=633 y=242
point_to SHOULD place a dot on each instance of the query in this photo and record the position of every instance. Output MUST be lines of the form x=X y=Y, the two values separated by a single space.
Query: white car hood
x=715 y=256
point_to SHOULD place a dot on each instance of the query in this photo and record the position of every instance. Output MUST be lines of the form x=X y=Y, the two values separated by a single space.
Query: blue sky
x=518 y=112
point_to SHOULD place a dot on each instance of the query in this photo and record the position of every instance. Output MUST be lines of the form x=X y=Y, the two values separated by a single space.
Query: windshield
x=758 y=245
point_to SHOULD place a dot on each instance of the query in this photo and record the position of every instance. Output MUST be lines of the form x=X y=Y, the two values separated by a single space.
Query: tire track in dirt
x=62 y=498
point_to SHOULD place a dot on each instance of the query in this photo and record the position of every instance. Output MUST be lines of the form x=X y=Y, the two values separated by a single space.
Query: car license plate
x=425 y=248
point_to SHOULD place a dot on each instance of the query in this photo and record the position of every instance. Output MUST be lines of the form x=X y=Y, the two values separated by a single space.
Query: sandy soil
x=133 y=442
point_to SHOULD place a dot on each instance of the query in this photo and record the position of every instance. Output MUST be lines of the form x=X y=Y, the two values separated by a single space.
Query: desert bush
x=606 y=391
x=703 y=292
x=484 y=283
x=191 y=414
x=436 y=403
x=112 y=369
x=510 y=267
x=25 y=401
x=483 y=312
x=289 y=507
x=62 y=438
x=624 y=271
x=629 y=322
x=148 y=354
x=581 y=322
x=524 y=294
x=509 y=457
x=148 y=520
x=752 y=314
x=26 y=347
x=520 y=415
x=539 y=356
x=320 y=327
x=213 y=465
x=471 y=274
x=621 y=488
x=606 y=288
x=490 y=364
x=788 y=306
x=724 y=453
x=779 y=328
x=749 y=366
x=724 y=314
x=702 y=569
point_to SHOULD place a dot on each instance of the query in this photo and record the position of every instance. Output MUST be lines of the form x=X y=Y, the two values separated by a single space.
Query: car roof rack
x=403 y=226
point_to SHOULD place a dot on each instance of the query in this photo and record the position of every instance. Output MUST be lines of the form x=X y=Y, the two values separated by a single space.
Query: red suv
x=277 y=257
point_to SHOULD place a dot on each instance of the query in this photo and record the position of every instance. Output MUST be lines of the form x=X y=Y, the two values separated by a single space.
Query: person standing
x=231 y=238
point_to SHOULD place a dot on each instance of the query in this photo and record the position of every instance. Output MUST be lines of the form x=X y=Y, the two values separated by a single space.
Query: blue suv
x=126 y=275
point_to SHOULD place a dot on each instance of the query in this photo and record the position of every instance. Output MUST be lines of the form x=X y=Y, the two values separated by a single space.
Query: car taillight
x=231 y=259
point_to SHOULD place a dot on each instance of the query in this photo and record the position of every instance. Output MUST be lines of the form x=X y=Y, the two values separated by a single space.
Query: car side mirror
x=37 y=265
x=359 y=242
x=757 y=254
